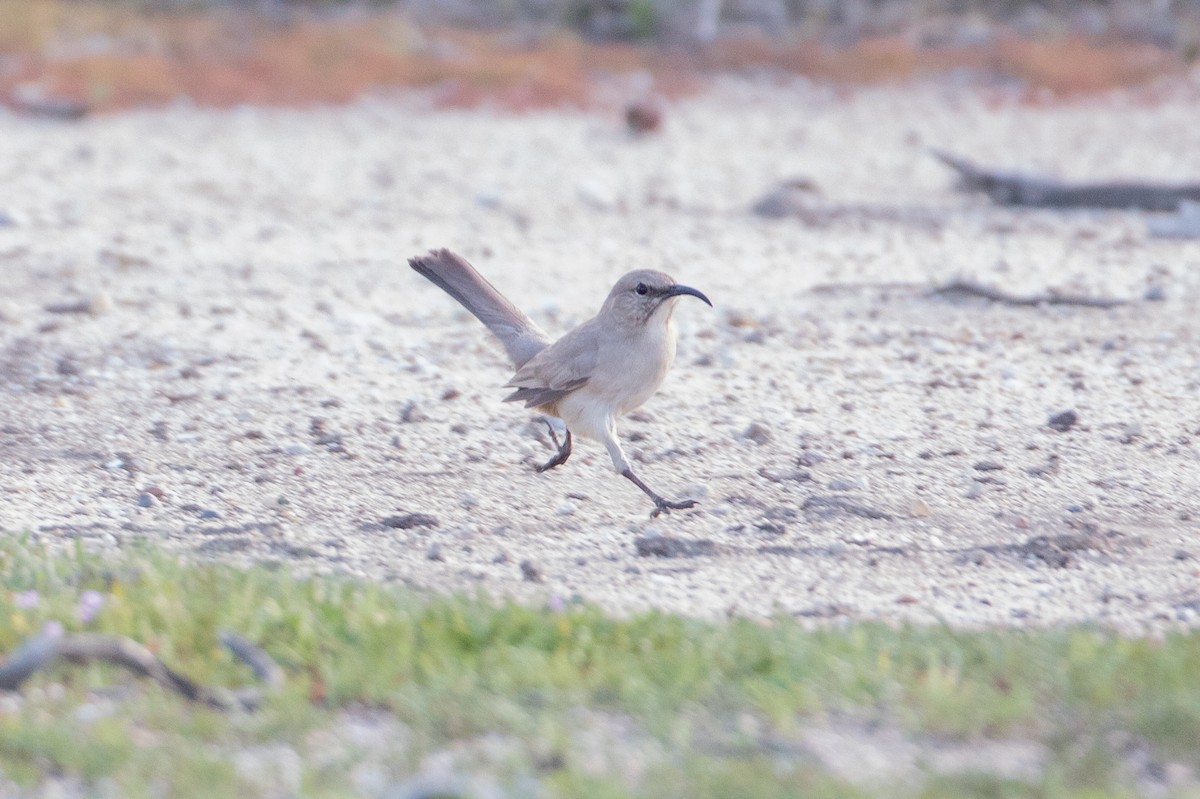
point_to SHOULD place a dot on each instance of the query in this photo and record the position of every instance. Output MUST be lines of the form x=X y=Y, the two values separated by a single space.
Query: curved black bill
x=678 y=290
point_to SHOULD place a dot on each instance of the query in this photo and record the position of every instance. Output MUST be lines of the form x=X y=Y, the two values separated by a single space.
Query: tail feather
x=522 y=339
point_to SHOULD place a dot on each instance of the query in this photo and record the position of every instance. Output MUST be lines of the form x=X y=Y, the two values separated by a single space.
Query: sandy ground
x=260 y=377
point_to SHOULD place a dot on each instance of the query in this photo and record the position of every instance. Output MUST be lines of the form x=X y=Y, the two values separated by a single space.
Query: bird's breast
x=643 y=367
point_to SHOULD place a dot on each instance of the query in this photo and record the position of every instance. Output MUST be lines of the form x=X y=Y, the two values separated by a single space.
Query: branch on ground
x=48 y=647
x=1014 y=188
x=969 y=288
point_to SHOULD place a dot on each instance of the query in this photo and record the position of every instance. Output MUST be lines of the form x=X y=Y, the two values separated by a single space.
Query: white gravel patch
x=262 y=377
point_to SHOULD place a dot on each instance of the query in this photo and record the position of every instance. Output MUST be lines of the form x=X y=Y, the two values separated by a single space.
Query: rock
x=842 y=484
x=530 y=572
x=810 y=459
x=411 y=414
x=146 y=500
x=407 y=521
x=920 y=509
x=434 y=552
x=1062 y=422
x=296 y=449
x=827 y=507
x=988 y=466
x=789 y=198
x=757 y=432
x=643 y=116
x=793 y=475
x=68 y=367
x=661 y=546
x=100 y=303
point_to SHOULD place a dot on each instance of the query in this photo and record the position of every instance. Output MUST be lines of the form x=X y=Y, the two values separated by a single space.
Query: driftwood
x=1014 y=188
x=969 y=288
x=44 y=649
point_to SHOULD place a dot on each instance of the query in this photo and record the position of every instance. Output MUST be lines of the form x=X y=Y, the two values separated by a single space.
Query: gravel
x=206 y=274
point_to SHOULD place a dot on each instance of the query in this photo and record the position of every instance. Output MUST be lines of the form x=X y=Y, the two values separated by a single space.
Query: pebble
x=407 y=521
x=810 y=459
x=296 y=448
x=566 y=509
x=434 y=552
x=757 y=432
x=146 y=500
x=846 y=484
x=209 y=513
x=1062 y=422
x=661 y=546
x=920 y=509
x=100 y=303
x=643 y=116
x=530 y=572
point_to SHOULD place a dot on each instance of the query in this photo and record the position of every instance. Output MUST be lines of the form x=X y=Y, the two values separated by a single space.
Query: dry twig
x=44 y=649
x=960 y=288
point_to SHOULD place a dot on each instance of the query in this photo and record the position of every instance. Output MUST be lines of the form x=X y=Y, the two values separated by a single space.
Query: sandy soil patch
x=259 y=375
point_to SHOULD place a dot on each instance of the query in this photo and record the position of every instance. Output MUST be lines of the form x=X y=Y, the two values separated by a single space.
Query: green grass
x=384 y=682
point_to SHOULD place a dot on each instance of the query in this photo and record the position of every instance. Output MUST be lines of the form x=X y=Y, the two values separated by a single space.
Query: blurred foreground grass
x=563 y=700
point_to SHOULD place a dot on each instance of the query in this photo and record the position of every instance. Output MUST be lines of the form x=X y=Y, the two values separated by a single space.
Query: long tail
x=522 y=339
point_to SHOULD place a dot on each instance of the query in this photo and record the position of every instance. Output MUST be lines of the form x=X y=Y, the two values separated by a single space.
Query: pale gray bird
x=606 y=367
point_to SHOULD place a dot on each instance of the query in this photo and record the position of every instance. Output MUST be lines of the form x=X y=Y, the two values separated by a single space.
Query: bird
x=597 y=372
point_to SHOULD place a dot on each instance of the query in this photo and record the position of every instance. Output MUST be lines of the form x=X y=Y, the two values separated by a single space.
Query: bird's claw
x=666 y=506
x=563 y=447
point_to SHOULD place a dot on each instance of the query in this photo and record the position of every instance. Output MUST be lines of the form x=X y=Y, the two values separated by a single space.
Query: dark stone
x=661 y=546
x=830 y=506
x=407 y=521
x=1062 y=422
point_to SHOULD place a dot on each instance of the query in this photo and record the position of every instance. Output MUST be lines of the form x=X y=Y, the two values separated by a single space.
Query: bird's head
x=645 y=294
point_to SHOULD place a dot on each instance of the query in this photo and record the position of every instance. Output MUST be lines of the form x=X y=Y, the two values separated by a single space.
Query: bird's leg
x=621 y=464
x=661 y=503
x=564 y=449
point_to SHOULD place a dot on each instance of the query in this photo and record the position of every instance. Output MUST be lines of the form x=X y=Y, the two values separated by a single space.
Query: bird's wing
x=556 y=371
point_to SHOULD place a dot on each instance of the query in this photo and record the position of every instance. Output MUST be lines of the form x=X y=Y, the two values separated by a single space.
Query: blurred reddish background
x=69 y=58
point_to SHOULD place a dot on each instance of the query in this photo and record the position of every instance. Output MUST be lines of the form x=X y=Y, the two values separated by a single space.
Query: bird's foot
x=564 y=449
x=662 y=505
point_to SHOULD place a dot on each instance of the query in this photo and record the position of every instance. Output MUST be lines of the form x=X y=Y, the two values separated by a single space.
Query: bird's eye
x=641 y=288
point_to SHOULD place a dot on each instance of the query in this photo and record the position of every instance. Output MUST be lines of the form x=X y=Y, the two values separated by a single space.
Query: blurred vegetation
x=70 y=57
x=581 y=703
x=1158 y=20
